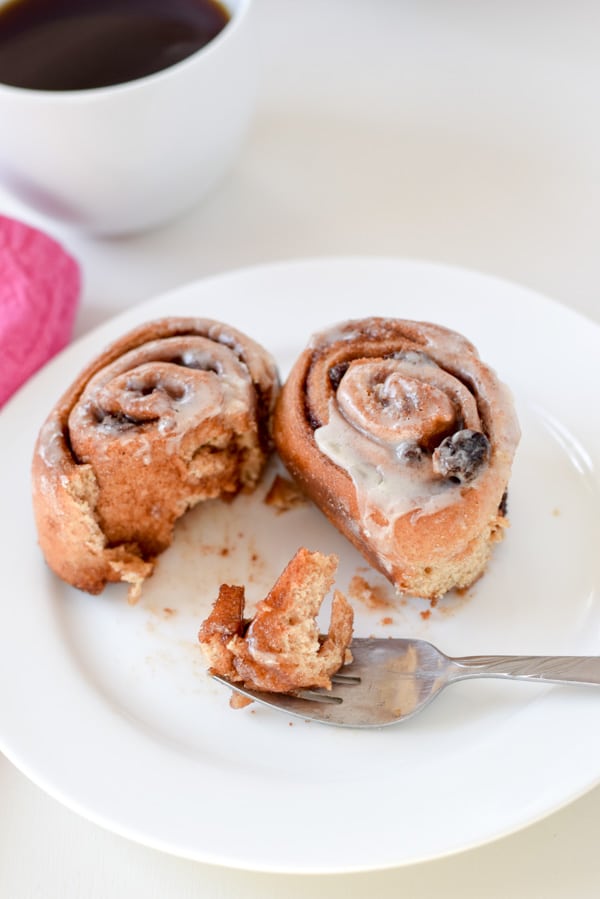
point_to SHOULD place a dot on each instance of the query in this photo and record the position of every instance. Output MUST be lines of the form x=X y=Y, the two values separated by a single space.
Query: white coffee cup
x=117 y=159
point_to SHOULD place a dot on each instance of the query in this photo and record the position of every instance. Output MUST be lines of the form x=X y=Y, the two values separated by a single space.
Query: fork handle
x=547 y=669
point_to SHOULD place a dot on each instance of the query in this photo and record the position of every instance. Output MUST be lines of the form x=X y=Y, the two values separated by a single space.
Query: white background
x=464 y=132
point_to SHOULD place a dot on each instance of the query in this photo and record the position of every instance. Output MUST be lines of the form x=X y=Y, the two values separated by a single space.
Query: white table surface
x=461 y=132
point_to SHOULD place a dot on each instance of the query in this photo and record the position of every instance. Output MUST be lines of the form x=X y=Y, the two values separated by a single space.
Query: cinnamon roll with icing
x=405 y=439
x=175 y=412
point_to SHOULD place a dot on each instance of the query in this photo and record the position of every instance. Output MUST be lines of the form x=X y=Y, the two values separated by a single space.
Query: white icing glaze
x=276 y=657
x=398 y=399
x=377 y=419
x=145 y=392
x=51 y=442
x=382 y=481
x=415 y=384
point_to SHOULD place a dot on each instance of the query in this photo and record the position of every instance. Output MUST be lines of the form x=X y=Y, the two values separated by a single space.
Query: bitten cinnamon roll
x=405 y=439
x=175 y=412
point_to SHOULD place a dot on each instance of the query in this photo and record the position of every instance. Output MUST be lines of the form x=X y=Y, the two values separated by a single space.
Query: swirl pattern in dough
x=176 y=412
x=405 y=440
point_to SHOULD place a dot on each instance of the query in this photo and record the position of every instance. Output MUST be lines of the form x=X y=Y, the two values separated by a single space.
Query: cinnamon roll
x=175 y=412
x=405 y=439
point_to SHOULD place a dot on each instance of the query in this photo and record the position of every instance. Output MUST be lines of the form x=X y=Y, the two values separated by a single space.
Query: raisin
x=336 y=373
x=461 y=456
x=503 y=507
x=313 y=421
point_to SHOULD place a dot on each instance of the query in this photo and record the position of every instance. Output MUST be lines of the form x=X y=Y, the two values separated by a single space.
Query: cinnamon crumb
x=374 y=596
x=284 y=495
x=387 y=620
x=424 y=615
x=210 y=549
x=237 y=701
x=168 y=611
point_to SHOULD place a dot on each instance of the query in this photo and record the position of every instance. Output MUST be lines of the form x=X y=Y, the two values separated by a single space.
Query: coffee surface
x=64 y=45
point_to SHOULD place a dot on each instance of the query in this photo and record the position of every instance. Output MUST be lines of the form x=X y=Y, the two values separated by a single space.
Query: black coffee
x=66 y=45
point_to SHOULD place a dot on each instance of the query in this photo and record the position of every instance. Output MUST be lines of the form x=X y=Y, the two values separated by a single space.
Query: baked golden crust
x=404 y=438
x=280 y=649
x=175 y=412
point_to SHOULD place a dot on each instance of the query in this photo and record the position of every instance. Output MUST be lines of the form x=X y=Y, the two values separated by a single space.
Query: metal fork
x=390 y=680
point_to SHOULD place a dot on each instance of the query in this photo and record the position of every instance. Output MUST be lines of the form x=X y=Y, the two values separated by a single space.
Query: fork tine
x=315 y=696
x=345 y=679
x=375 y=692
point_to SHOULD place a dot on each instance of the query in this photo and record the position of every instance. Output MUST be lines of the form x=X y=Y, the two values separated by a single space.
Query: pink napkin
x=39 y=292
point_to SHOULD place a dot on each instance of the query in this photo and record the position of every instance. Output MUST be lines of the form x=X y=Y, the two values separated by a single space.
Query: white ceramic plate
x=108 y=707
